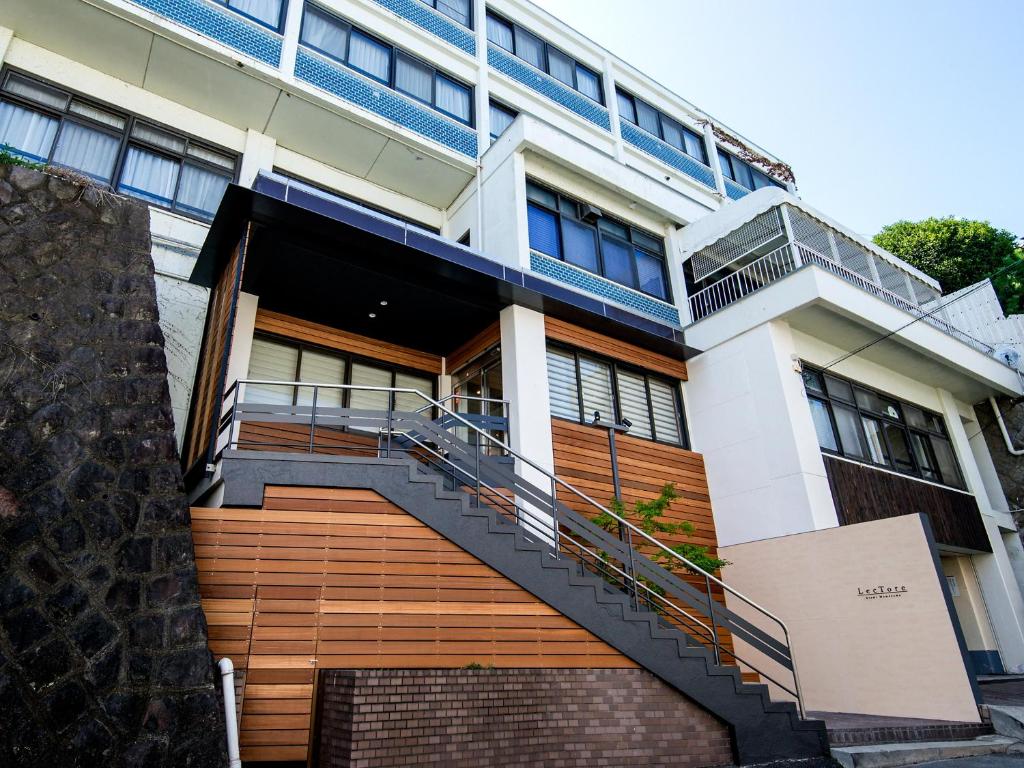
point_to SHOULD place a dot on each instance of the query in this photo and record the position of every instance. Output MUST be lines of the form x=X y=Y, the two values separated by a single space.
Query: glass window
x=27 y=133
x=926 y=462
x=946 y=458
x=588 y=83
x=876 y=443
x=596 y=387
x=580 y=242
x=762 y=179
x=529 y=48
x=626 y=109
x=454 y=9
x=267 y=12
x=150 y=176
x=414 y=78
x=501 y=119
x=369 y=56
x=899 y=446
x=812 y=381
x=838 y=388
x=562 y=386
x=725 y=165
x=453 y=98
x=647 y=118
x=271 y=361
x=201 y=190
x=633 y=402
x=872 y=401
x=98 y=115
x=561 y=66
x=823 y=424
x=409 y=402
x=693 y=145
x=366 y=375
x=672 y=132
x=651 y=274
x=665 y=404
x=159 y=138
x=543 y=227
x=499 y=32
x=323 y=32
x=618 y=260
x=851 y=436
x=742 y=172
x=321 y=368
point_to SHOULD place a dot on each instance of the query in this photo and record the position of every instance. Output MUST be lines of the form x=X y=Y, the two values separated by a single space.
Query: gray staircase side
x=763 y=731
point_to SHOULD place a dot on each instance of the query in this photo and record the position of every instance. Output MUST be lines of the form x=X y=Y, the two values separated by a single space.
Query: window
x=580 y=234
x=459 y=10
x=48 y=125
x=745 y=174
x=544 y=56
x=380 y=61
x=277 y=360
x=580 y=384
x=266 y=12
x=642 y=114
x=501 y=118
x=868 y=426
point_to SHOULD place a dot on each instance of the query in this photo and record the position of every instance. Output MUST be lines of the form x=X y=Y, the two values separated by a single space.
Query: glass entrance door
x=477 y=395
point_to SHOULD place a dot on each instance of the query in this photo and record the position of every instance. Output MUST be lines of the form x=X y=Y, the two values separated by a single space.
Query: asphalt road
x=987 y=761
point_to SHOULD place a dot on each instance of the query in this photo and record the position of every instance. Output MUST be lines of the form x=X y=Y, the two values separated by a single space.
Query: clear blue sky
x=886 y=109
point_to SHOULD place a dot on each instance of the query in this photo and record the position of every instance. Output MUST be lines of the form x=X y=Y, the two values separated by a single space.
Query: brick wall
x=501 y=717
x=1010 y=468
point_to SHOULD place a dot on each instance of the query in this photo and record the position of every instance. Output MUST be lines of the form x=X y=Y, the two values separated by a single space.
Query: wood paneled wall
x=332 y=338
x=583 y=338
x=216 y=343
x=862 y=494
x=476 y=346
x=334 y=578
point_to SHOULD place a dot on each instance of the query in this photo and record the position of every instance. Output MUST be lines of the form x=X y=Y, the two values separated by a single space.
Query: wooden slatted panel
x=334 y=578
x=294 y=438
x=576 y=336
x=473 y=348
x=363 y=346
x=215 y=339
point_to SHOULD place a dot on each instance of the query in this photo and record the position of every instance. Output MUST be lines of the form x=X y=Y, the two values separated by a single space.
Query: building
x=409 y=252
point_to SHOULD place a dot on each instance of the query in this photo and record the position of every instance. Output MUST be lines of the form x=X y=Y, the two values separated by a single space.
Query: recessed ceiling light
x=373 y=314
x=384 y=303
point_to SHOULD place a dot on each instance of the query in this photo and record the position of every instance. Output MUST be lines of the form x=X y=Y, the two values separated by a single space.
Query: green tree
x=958 y=253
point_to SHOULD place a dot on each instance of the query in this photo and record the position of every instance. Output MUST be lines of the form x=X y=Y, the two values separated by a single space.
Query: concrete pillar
x=675 y=273
x=290 y=43
x=6 y=36
x=241 y=338
x=258 y=155
x=483 y=89
x=711 y=145
x=613 y=108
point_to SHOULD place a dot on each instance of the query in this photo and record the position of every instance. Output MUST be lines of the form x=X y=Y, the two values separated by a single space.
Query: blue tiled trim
x=347 y=85
x=734 y=190
x=435 y=23
x=546 y=85
x=655 y=147
x=222 y=25
x=591 y=283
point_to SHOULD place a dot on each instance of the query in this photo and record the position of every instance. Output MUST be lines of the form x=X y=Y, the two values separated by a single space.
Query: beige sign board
x=869 y=625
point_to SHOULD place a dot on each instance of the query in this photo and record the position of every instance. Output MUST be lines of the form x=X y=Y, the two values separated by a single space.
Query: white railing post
x=788 y=226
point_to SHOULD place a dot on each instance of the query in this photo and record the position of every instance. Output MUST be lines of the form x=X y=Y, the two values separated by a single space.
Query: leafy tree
x=958 y=253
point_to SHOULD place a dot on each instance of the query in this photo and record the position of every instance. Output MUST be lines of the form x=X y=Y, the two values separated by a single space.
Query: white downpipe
x=1002 y=428
x=227 y=682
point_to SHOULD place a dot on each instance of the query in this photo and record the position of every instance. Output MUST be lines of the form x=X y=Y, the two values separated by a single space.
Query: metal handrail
x=556 y=482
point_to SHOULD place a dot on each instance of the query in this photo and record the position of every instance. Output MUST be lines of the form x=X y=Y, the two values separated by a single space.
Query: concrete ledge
x=896 y=755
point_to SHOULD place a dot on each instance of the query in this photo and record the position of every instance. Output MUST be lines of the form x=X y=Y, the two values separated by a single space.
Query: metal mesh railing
x=729 y=249
x=754 y=276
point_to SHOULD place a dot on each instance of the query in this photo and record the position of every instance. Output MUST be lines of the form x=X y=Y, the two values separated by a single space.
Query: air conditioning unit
x=590 y=213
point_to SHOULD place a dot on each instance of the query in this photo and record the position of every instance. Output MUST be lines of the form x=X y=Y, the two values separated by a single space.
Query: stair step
x=898 y=755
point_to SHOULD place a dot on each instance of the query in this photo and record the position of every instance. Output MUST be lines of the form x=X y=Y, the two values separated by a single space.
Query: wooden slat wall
x=211 y=361
x=363 y=346
x=580 y=337
x=334 y=578
x=477 y=345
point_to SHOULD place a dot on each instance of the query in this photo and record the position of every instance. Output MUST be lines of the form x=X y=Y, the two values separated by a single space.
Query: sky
x=885 y=109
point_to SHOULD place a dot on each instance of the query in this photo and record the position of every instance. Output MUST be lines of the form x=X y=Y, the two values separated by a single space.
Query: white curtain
x=26 y=132
x=499 y=33
x=414 y=78
x=453 y=98
x=89 y=151
x=666 y=417
x=369 y=56
x=561 y=66
x=321 y=369
x=369 y=376
x=500 y=120
x=201 y=190
x=270 y=361
x=149 y=176
x=267 y=11
x=406 y=401
x=596 y=380
x=455 y=9
x=321 y=31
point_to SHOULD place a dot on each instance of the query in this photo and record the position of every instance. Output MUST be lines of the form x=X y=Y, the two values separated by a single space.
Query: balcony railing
x=753 y=277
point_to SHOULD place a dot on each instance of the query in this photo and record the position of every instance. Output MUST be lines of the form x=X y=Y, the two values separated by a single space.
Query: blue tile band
x=657 y=148
x=548 y=86
x=599 y=286
x=734 y=190
x=222 y=25
x=346 y=84
x=433 y=22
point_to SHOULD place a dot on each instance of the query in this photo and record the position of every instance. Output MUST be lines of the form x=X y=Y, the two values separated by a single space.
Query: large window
x=501 y=118
x=266 y=12
x=544 y=56
x=642 y=114
x=867 y=426
x=459 y=10
x=580 y=234
x=745 y=174
x=581 y=385
x=386 y=64
x=50 y=125
x=275 y=360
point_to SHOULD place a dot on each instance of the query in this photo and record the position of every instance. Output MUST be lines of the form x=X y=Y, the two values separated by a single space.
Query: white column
x=241 y=338
x=258 y=155
x=613 y=109
x=524 y=377
x=995 y=571
x=290 y=43
x=6 y=35
x=676 y=277
x=711 y=145
x=483 y=87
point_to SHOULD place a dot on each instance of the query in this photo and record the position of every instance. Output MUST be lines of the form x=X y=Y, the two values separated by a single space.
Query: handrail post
x=477 y=475
x=387 y=447
x=312 y=420
x=236 y=428
x=711 y=616
x=554 y=514
x=632 y=569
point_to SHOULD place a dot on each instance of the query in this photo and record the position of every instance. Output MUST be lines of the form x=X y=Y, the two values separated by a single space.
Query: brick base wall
x=502 y=717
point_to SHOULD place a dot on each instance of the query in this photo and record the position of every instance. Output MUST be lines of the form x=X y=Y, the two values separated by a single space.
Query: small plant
x=477 y=665
x=8 y=157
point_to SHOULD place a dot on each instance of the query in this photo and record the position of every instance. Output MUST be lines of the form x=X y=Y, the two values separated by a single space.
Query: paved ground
x=988 y=761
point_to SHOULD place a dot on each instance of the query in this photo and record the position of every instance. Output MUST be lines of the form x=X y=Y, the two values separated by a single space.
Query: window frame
x=395 y=53
x=599 y=234
x=495 y=104
x=751 y=169
x=615 y=366
x=546 y=48
x=662 y=117
x=884 y=420
x=282 y=15
x=125 y=137
x=469 y=22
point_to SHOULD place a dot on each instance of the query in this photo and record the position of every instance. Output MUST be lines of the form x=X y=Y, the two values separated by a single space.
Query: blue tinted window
x=580 y=244
x=651 y=273
x=618 y=261
x=588 y=83
x=543 y=231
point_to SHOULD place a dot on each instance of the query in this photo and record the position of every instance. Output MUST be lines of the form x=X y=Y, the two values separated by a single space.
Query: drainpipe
x=227 y=681
x=1002 y=428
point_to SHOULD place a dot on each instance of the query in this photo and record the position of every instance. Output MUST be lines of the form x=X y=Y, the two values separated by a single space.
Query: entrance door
x=477 y=394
